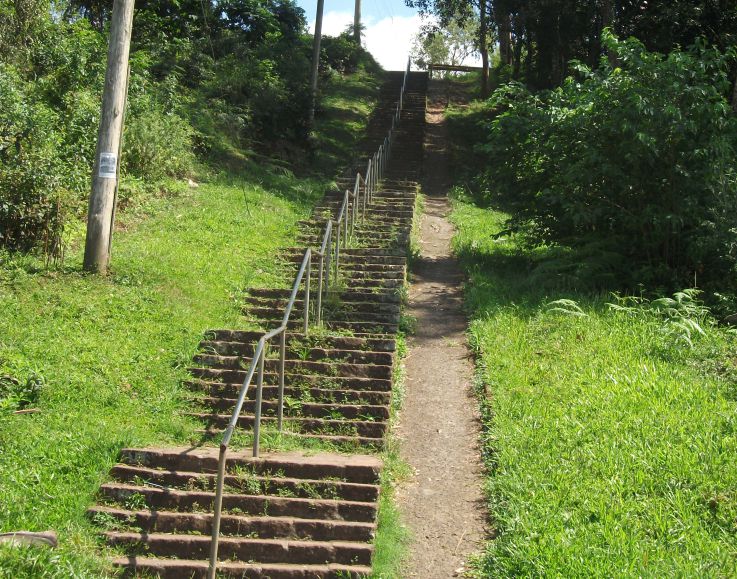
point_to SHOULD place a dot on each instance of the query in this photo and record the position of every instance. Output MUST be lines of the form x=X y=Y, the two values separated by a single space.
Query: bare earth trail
x=443 y=504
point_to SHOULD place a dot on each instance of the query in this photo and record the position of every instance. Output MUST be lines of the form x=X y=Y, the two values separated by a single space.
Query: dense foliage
x=629 y=170
x=538 y=39
x=207 y=78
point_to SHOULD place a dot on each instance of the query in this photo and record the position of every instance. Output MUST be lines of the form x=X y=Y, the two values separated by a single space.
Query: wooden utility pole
x=104 y=173
x=484 y=47
x=357 y=23
x=315 y=60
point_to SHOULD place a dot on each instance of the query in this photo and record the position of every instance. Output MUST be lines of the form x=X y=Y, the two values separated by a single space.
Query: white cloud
x=389 y=40
x=333 y=23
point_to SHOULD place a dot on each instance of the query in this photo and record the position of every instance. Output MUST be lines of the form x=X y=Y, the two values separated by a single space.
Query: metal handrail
x=258 y=361
x=345 y=223
x=342 y=230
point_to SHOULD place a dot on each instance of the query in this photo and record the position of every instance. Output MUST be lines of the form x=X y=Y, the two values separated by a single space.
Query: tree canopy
x=539 y=38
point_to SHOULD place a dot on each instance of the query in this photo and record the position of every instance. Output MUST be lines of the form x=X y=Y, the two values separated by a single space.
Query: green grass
x=610 y=445
x=340 y=122
x=111 y=352
x=391 y=547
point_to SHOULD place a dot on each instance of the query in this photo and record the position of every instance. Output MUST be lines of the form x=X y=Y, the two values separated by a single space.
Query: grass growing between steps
x=392 y=536
x=102 y=359
x=610 y=442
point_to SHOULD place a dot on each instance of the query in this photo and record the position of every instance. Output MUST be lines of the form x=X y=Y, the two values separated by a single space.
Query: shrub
x=30 y=169
x=157 y=145
x=635 y=162
x=340 y=53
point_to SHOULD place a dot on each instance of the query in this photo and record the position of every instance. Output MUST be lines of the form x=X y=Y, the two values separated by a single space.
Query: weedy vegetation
x=609 y=421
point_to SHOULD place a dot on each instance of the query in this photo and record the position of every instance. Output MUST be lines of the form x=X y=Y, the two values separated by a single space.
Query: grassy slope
x=113 y=351
x=611 y=449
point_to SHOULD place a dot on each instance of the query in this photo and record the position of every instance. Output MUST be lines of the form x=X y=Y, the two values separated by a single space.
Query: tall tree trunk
x=607 y=20
x=517 y=63
x=483 y=47
x=529 y=60
x=503 y=22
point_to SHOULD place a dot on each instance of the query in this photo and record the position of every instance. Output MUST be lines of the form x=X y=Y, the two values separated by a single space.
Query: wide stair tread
x=191 y=569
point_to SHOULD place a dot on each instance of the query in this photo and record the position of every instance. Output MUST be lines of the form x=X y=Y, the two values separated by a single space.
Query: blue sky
x=390 y=26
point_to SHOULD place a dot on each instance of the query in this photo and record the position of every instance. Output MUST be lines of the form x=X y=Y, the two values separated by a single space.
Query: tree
x=539 y=38
x=462 y=11
x=451 y=44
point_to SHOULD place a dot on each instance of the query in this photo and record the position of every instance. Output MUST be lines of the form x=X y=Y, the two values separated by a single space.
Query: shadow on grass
x=510 y=277
x=341 y=120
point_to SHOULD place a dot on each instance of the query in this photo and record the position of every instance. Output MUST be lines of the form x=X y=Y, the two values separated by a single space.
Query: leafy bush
x=206 y=78
x=158 y=145
x=30 y=168
x=19 y=387
x=635 y=164
x=340 y=53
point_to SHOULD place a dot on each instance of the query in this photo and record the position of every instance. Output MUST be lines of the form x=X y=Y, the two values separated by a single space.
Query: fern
x=566 y=307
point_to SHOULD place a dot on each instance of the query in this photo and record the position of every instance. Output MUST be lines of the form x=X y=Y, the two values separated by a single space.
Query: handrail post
x=363 y=209
x=259 y=398
x=307 y=293
x=345 y=219
x=328 y=251
x=375 y=178
x=217 y=514
x=337 y=251
x=320 y=286
x=282 y=361
x=356 y=200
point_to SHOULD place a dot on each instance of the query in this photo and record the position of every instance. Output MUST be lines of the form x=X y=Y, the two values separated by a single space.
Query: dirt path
x=439 y=430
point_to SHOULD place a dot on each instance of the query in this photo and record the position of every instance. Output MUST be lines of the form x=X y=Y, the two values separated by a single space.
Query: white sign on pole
x=108 y=166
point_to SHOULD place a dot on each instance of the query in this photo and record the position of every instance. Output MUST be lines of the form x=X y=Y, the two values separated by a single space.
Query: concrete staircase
x=288 y=514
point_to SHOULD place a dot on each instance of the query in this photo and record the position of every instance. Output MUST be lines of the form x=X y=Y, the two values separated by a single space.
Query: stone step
x=357 y=263
x=349 y=256
x=342 y=326
x=330 y=306
x=191 y=569
x=258 y=526
x=357 y=469
x=297 y=379
x=305 y=391
x=297 y=351
x=245 y=549
x=243 y=480
x=298 y=409
x=349 y=296
x=377 y=344
x=331 y=314
x=373 y=429
x=155 y=499
x=298 y=366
